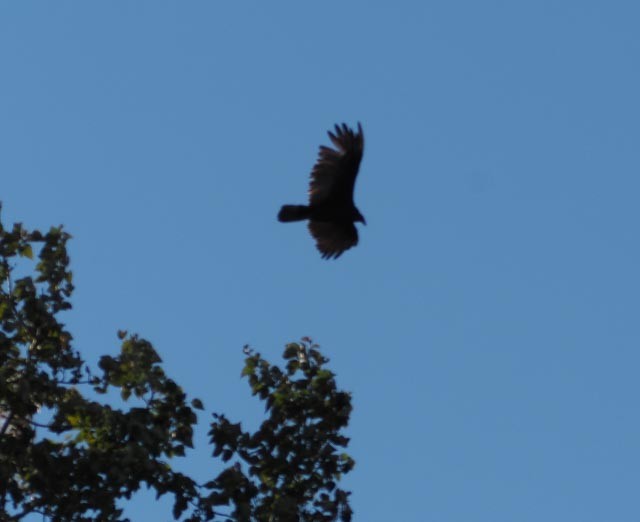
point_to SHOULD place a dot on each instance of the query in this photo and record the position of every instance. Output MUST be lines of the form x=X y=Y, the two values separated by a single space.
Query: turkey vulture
x=331 y=212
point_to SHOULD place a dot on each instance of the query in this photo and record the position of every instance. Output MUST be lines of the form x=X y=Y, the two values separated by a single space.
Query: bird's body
x=318 y=213
x=331 y=211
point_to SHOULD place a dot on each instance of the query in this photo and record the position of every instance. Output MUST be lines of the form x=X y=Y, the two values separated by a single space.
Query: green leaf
x=291 y=351
x=26 y=251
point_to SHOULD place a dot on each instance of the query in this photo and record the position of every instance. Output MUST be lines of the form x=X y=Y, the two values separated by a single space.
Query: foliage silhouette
x=71 y=457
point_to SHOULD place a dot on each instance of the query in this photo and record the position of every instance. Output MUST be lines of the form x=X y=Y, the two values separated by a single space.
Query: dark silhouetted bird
x=331 y=211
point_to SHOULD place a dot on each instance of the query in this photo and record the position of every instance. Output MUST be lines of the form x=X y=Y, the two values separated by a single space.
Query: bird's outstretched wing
x=333 y=237
x=334 y=175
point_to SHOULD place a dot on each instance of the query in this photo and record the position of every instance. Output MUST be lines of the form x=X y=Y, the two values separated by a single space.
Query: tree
x=70 y=455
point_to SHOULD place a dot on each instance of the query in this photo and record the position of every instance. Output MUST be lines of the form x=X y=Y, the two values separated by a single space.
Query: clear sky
x=488 y=322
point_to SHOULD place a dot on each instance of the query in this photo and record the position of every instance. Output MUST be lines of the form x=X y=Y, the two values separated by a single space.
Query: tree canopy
x=69 y=453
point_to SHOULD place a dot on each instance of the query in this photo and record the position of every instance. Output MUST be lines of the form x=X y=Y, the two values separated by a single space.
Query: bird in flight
x=331 y=211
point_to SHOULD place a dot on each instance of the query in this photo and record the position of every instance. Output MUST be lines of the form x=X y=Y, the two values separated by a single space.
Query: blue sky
x=488 y=322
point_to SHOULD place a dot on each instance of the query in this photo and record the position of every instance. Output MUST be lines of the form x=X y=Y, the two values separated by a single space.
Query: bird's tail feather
x=293 y=213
